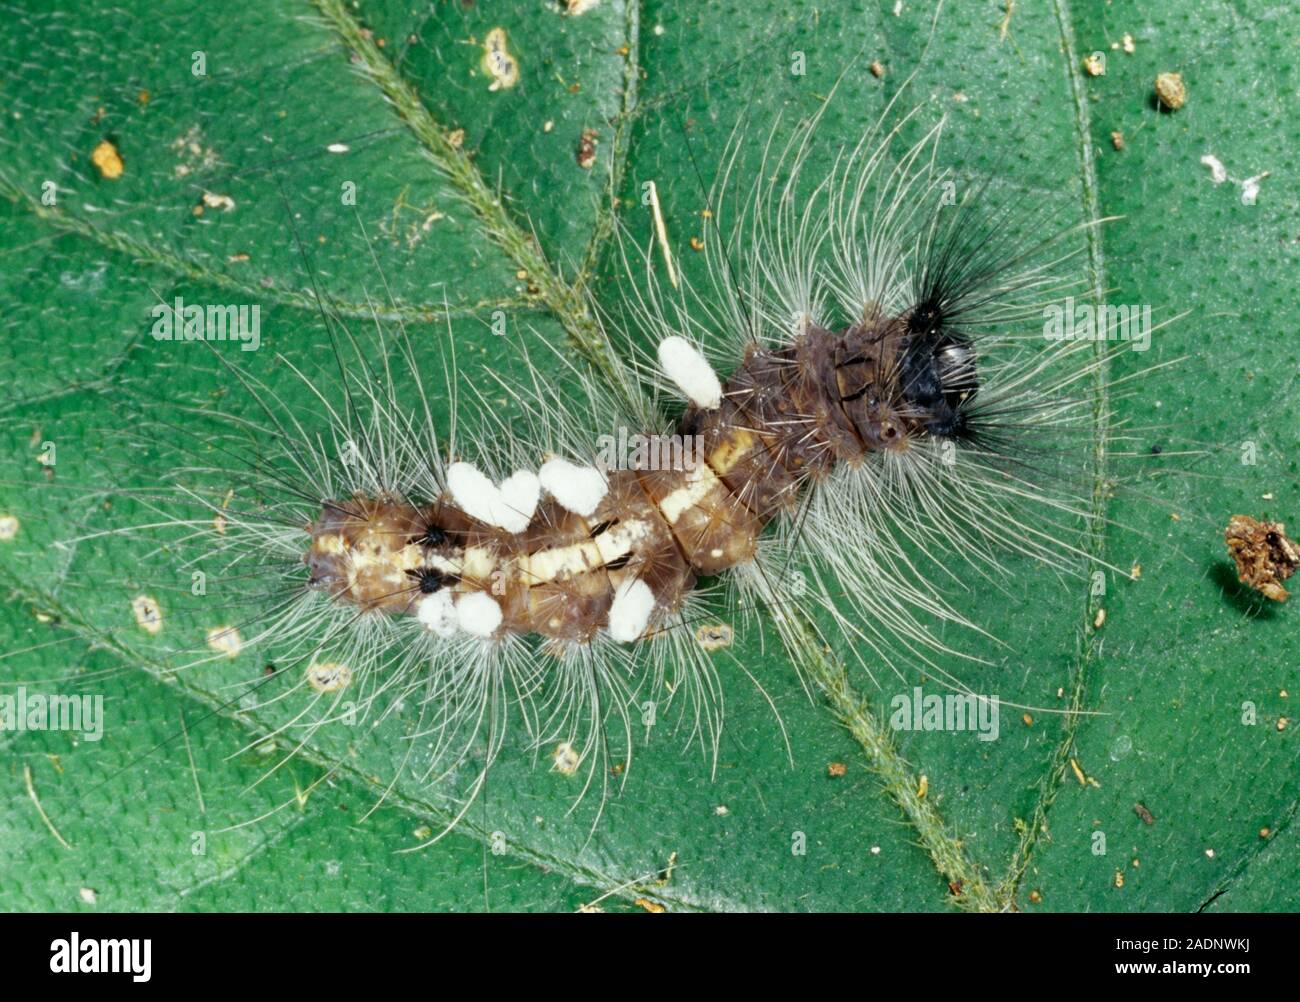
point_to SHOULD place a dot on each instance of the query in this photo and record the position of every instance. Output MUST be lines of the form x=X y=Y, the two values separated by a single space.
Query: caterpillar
x=528 y=571
x=616 y=551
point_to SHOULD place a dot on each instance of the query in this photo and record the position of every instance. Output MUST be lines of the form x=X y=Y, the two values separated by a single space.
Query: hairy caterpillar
x=881 y=401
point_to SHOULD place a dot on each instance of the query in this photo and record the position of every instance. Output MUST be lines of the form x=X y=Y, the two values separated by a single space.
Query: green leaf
x=453 y=180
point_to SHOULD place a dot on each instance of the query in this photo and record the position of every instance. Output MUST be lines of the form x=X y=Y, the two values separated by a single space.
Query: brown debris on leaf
x=1171 y=91
x=1264 y=556
x=587 y=148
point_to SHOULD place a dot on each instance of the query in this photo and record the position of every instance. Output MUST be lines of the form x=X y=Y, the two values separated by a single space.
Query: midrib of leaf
x=1094 y=544
x=569 y=305
x=519 y=244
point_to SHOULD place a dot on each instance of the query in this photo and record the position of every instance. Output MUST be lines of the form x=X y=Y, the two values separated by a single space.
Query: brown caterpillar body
x=786 y=416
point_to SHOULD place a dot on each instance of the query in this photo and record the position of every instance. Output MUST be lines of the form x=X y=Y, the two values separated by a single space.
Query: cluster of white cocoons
x=479 y=614
x=509 y=506
x=476 y=613
x=690 y=371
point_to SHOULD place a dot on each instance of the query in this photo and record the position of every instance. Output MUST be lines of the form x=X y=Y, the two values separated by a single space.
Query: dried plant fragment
x=1264 y=556
x=1171 y=91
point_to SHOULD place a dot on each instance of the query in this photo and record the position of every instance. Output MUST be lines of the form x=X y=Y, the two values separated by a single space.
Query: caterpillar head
x=903 y=379
x=938 y=377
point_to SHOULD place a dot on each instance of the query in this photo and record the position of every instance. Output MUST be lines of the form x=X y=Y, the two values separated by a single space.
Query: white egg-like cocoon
x=437 y=613
x=510 y=506
x=579 y=489
x=690 y=371
x=629 y=614
x=478 y=614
